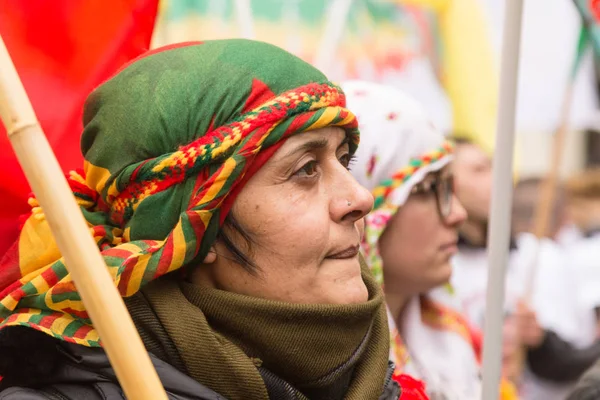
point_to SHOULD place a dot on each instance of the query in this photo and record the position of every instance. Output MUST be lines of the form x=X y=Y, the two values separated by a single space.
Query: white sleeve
x=554 y=292
x=563 y=296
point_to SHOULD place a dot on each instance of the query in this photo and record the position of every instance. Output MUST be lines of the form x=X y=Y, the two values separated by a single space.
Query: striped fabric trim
x=381 y=192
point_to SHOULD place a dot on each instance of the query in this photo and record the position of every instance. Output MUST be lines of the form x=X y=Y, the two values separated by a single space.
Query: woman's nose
x=352 y=201
x=458 y=214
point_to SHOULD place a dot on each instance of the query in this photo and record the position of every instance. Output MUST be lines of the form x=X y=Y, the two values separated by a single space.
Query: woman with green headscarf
x=216 y=186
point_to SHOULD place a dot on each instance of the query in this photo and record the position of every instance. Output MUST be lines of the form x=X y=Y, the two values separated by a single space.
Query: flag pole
x=499 y=235
x=243 y=11
x=119 y=337
x=337 y=17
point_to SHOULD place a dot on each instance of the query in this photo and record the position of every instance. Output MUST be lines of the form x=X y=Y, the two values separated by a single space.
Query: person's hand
x=530 y=332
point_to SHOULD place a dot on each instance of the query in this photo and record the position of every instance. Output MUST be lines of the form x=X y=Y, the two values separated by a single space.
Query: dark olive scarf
x=228 y=341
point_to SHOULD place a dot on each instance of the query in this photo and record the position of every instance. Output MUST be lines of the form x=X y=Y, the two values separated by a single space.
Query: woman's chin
x=439 y=277
x=351 y=291
x=345 y=284
x=444 y=275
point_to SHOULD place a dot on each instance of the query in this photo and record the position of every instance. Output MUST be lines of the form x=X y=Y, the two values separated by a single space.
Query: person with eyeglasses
x=411 y=236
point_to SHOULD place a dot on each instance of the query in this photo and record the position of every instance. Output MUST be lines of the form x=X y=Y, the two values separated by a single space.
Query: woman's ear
x=203 y=274
x=211 y=257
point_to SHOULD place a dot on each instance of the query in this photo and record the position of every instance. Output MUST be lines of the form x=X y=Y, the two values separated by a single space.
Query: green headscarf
x=168 y=143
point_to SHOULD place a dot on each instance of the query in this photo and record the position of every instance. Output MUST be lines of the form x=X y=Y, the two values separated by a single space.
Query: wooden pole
x=82 y=258
x=547 y=193
x=499 y=235
x=548 y=188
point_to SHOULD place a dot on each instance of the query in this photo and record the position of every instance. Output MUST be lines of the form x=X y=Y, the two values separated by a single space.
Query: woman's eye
x=346 y=160
x=308 y=170
x=424 y=188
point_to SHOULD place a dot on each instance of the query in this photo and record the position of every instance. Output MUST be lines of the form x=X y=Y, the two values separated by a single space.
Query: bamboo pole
x=499 y=235
x=82 y=258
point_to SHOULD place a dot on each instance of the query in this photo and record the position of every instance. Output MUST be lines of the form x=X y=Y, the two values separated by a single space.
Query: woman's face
x=417 y=244
x=304 y=214
x=473 y=177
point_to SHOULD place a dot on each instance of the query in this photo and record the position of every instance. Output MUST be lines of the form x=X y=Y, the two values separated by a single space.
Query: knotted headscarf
x=168 y=143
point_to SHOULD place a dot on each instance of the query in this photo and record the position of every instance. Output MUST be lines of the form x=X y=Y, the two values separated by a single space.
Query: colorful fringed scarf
x=168 y=142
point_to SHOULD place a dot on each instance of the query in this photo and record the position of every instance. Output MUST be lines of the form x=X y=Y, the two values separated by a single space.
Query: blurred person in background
x=550 y=355
x=526 y=197
x=473 y=183
x=550 y=310
x=410 y=237
x=583 y=210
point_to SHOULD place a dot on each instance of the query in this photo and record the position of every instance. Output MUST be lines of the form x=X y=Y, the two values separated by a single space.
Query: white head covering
x=395 y=133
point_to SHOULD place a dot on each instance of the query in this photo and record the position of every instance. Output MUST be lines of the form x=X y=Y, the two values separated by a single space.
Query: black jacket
x=559 y=361
x=48 y=369
x=84 y=373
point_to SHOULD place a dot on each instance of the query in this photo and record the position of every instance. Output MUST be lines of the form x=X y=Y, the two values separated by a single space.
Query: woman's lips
x=349 y=252
x=450 y=247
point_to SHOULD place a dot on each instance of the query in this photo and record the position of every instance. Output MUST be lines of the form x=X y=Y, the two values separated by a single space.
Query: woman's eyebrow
x=312 y=145
x=316 y=144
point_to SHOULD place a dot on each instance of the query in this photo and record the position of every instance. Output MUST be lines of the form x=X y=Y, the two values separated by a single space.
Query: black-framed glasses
x=443 y=189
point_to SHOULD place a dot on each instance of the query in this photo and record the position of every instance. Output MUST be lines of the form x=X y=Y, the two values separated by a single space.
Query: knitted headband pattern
x=168 y=142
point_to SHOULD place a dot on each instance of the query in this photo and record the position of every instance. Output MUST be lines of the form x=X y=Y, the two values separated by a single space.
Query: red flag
x=62 y=50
